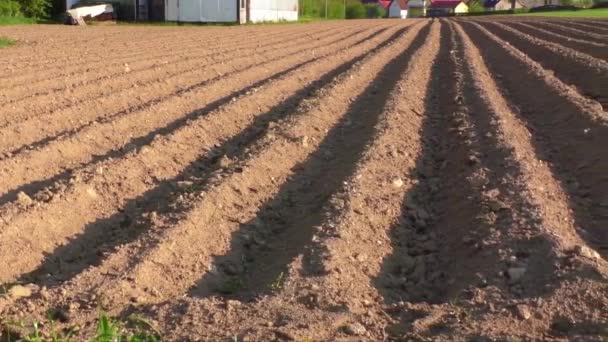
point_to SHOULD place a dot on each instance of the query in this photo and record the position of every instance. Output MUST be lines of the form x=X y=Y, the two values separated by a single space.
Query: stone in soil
x=19 y=291
x=354 y=329
x=515 y=273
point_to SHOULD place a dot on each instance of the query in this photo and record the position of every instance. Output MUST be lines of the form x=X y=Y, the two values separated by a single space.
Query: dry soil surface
x=357 y=180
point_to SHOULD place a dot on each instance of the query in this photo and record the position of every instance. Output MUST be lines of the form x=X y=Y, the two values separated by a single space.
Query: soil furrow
x=314 y=119
x=142 y=179
x=19 y=93
x=103 y=138
x=588 y=76
x=570 y=31
x=350 y=241
x=583 y=25
x=578 y=166
x=76 y=84
x=118 y=59
x=47 y=127
x=597 y=50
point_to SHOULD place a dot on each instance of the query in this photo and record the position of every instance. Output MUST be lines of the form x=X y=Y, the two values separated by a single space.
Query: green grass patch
x=16 y=21
x=134 y=329
x=5 y=42
x=584 y=13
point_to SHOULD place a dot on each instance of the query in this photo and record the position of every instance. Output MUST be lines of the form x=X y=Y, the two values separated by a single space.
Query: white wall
x=211 y=11
x=273 y=10
x=208 y=11
x=395 y=11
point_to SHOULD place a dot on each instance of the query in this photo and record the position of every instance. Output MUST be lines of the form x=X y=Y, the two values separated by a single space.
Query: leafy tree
x=10 y=8
x=35 y=8
x=476 y=6
x=355 y=11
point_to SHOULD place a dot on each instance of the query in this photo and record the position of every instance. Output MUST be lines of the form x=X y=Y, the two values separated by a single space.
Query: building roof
x=445 y=3
x=492 y=3
x=402 y=4
x=384 y=3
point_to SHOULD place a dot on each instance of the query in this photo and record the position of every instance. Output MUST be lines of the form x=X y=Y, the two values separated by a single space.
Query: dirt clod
x=355 y=329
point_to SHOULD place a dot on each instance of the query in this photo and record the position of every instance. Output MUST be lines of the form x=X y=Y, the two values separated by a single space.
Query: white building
x=230 y=11
x=398 y=9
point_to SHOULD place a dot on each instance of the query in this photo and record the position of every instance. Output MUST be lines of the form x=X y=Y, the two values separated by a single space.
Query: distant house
x=446 y=7
x=407 y=8
x=398 y=9
x=383 y=3
x=501 y=5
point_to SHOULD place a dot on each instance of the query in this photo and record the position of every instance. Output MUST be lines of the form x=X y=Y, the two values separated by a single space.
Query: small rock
x=361 y=257
x=397 y=182
x=304 y=141
x=284 y=335
x=497 y=205
x=586 y=252
x=19 y=291
x=224 y=161
x=92 y=193
x=515 y=273
x=24 y=199
x=73 y=306
x=355 y=329
x=44 y=293
x=523 y=311
x=473 y=160
x=127 y=68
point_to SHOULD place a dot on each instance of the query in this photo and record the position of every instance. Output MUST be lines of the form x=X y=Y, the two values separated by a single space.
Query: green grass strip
x=16 y=21
x=586 y=13
x=4 y=42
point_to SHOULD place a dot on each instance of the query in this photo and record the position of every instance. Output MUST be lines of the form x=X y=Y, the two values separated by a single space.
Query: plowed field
x=357 y=180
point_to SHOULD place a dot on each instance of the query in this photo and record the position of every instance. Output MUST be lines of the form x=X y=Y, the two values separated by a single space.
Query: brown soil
x=359 y=180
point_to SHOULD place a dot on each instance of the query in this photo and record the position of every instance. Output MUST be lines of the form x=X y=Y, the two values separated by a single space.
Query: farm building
x=501 y=5
x=384 y=3
x=406 y=9
x=446 y=7
x=398 y=9
x=227 y=11
x=202 y=11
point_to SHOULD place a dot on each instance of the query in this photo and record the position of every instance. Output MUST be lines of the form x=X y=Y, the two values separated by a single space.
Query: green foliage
x=6 y=42
x=316 y=9
x=28 y=8
x=355 y=11
x=10 y=8
x=577 y=3
x=139 y=330
x=111 y=331
x=35 y=8
x=16 y=20
x=587 y=13
x=336 y=9
x=476 y=6
x=374 y=11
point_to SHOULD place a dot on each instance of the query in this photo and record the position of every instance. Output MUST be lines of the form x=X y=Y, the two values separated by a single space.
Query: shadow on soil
x=445 y=246
x=569 y=140
x=589 y=81
x=147 y=139
x=286 y=222
x=101 y=237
